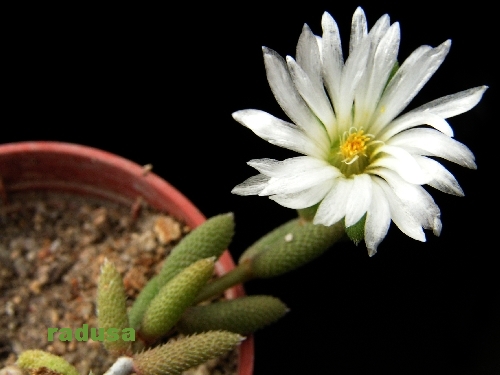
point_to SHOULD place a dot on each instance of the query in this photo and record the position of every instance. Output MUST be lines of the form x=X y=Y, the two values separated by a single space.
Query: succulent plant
x=167 y=305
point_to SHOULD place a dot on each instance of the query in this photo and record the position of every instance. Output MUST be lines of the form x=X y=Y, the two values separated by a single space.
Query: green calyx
x=168 y=305
x=35 y=359
x=243 y=315
x=356 y=232
x=177 y=356
x=111 y=307
x=210 y=239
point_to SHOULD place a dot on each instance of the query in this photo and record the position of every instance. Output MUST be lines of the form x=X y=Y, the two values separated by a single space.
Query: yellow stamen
x=354 y=145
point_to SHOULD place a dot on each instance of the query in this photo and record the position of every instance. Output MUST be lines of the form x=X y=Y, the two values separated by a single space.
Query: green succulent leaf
x=268 y=241
x=290 y=246
x=210 y=239
x=242 y=315
x=111 y=307
x=177 y=356
x=171 y=301
x=141 y=303
x=34 y=359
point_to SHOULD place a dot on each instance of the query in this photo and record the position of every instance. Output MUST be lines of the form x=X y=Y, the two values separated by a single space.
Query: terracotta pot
x=87 y=171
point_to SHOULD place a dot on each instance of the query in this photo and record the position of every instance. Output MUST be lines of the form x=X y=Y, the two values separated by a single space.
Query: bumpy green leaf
x=210 y=239
x=177 y=356
x=33 y=359
x=111 y=306
x=290 y=246
x=171 y=301
x=142 y=301
x=268 y=241
x=243 y=315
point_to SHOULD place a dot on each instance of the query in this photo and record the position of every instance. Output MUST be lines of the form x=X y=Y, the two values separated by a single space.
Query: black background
x=158 y=85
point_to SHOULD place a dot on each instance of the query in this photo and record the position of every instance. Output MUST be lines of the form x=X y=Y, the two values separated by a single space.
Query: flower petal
x=416 y=200
x=412 y=119
x=305 y=198
x=380 y=66
x=379 y=29
x=440 y=177
x=434 y=113
x=359 y=199
x=400 y=161
x=455 y=104
x=378 y=219
x=275 y=168
x=433 y=143
x=407 y=82
x=359 y=29
x=251 y=186
x=308 y=56
x=333 y=206
x=279 y=132
x=314 y=94
x=332 y=60
x=299 y=180
x=289 y=99
x=352 y=73
x=399 y=214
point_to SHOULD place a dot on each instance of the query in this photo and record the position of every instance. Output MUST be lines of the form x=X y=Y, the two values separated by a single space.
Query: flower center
x=351 y=153
x=353 y=145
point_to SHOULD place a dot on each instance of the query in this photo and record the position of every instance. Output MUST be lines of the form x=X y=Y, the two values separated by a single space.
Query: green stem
x=240 y=274
x=308 y=213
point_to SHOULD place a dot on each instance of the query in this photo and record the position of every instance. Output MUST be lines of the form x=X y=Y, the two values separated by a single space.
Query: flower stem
x=240 y=274
x=308 y=213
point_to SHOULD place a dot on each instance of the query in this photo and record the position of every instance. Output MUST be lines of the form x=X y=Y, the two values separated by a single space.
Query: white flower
x=360 y=158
